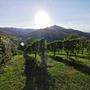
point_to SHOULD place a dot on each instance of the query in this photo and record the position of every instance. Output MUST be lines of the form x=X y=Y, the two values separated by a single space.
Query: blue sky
x=67 y=13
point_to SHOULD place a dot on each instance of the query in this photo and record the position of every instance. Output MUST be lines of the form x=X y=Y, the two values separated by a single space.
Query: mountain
x=18 y=32
x=50 y=33
x=55 y=33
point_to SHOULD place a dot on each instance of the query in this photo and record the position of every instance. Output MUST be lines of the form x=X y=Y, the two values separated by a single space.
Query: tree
x=5 y=49
x=55 y=46
x=42 y=50
x=71 y=47
x=71 y=37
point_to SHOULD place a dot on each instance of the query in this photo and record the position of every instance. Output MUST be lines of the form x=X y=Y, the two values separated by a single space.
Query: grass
x=62 y=76
x=68 y=78
x=81 y=58
x=13 y=78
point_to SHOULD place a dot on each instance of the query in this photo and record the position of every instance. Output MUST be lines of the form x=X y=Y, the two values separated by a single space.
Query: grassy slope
x=63 y=77
x=13 y=77
x=67 y=78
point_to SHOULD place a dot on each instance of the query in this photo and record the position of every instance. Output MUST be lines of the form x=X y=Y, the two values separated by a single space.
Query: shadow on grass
x=80 y=56
x=37 y=77
x=72 y=62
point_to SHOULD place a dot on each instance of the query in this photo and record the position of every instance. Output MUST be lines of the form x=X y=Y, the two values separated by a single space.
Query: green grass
x=13 y=77
x=67 y=78
x=81 y=58
x=63 y=77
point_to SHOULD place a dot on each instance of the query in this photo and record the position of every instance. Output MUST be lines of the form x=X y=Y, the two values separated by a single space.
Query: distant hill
x=55 y=33
x=18 y=32
x=50 y=33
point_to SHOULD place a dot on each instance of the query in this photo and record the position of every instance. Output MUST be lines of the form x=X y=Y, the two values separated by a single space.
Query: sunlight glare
x=42 y=19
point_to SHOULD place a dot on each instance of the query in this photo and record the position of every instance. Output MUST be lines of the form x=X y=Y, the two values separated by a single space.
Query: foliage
x=71 y=37
x=5 y=49
x=63 y=76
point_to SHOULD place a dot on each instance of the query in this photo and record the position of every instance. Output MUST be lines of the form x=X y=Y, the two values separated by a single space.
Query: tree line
x=71 y=45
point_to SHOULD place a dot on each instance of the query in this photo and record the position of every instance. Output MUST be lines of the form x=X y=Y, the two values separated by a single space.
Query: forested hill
x=50 y=33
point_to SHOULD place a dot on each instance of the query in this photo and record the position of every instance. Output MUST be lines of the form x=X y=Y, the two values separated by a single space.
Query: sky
x=66 y=13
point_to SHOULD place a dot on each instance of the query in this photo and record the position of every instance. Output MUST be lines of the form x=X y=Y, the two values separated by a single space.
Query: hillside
x=38 y=67
x=55 y=32
x=18 y=32
x=50 y=33
x=60 y=76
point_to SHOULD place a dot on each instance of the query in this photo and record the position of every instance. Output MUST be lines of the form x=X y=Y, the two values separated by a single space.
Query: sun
x=42 y=19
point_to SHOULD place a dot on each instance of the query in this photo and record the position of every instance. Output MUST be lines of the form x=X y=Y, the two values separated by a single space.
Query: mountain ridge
x=55 y=33
x=51 y=33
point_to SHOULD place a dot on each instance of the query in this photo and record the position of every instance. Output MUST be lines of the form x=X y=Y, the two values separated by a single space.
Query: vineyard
x=42 y=65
